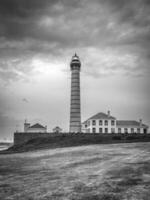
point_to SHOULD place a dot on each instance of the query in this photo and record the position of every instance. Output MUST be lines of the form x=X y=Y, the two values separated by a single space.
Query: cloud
x=37 y=40
x=37 y=28
x=7 y=126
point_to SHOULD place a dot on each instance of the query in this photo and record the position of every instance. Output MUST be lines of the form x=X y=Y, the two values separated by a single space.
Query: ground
x=94 y=172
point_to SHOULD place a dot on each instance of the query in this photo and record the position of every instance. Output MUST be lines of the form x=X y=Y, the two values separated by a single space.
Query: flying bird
x=25 y=100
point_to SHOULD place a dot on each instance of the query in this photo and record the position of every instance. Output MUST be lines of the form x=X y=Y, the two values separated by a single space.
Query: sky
x=38 y=39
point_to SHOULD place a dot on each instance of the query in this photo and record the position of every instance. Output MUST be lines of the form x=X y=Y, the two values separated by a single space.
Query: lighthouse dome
x=75 y=57
x=75 y=61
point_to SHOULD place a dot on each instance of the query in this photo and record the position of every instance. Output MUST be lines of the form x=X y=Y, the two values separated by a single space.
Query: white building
x=36 y=128
x=57 y=129
x=105 y=123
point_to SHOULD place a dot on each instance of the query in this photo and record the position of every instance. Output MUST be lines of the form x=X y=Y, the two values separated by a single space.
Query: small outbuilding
x=57 y=129
x=36 y=128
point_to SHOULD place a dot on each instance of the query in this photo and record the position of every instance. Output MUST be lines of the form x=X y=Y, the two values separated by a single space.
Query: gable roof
x=129 y=123
x=56 y=128
x=100 y=115
x=37 y=125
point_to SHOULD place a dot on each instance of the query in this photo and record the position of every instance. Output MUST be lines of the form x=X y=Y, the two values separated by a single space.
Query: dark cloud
x=34 y=27
x=129 y=10
x=23 y=8
x=19 y=18
x=111 y=36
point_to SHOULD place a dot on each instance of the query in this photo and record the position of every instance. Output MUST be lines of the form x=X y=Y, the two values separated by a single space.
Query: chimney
x=26 y=126
x=140 y=121
x=108 y=113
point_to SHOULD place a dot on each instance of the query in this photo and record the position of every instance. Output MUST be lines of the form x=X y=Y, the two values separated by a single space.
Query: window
x=100 y=122
x=106 y=130
x=94 y=130
x=112 y=130
x=88 y=123
x=138 y=130
x=145 y=130
x=106 y=122
x=119 y=130
x=112 y=122
x=93 y=122
x=125 y=130
x=132 y=130
x=100 y=130
x=85 y=125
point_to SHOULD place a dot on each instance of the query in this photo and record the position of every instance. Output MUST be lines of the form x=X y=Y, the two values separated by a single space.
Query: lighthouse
x=75 y=112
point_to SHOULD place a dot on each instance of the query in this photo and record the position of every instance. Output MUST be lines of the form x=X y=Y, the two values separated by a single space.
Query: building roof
x=56 y=128
x=75 y=60
x=37 y=125
x=75 y=57
x=129 y=123
x=100 y=115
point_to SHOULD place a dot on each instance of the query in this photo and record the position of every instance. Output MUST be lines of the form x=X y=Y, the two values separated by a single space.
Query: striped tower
x=75 y=115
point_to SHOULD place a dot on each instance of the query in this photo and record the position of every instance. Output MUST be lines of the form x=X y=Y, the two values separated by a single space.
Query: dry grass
x=96 y=172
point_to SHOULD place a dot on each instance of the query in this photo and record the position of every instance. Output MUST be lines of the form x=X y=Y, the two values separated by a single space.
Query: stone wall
x=22 y=137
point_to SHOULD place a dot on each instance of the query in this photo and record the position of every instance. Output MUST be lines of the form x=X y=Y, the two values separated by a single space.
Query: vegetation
x=95 y=172
x=65 y=140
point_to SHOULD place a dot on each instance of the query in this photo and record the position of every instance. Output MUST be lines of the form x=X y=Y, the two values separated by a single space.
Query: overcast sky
x=37 y=41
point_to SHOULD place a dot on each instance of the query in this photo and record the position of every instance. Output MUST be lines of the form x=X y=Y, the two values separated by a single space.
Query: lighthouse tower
x=75 y=115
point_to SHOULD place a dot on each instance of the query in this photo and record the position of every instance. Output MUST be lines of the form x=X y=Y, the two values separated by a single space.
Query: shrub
x=116 y=137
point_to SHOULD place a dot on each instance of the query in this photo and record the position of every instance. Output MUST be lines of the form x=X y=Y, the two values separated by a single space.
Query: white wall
x=129 y=129
x=90 y=126
x=97 y=126
x=37 y=130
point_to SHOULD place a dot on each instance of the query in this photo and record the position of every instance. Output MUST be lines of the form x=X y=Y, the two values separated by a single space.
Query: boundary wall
x=23 y=137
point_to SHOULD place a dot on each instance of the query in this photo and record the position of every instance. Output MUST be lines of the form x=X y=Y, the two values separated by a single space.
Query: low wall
x=22 y=137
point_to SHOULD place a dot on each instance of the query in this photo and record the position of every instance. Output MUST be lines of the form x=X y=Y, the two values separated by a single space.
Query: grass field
x=94 y=172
